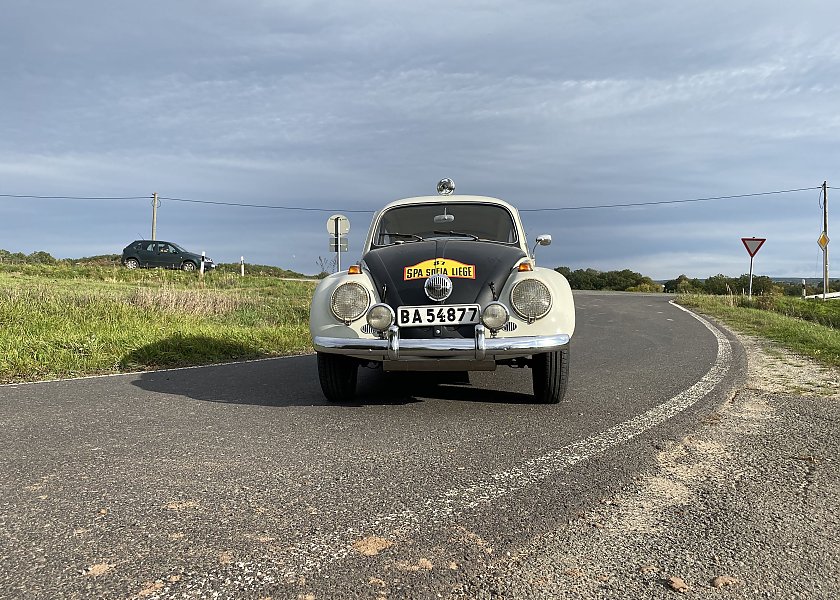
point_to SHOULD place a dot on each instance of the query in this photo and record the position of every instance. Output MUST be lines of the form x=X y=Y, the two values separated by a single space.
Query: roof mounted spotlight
x=445 y=187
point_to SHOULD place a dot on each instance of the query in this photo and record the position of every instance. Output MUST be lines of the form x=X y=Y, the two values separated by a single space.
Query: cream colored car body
x=328 y=332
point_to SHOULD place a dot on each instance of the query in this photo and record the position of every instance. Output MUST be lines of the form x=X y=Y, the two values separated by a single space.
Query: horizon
x=788 y=279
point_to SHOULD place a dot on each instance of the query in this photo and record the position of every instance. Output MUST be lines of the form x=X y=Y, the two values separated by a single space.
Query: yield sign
x=753 y=244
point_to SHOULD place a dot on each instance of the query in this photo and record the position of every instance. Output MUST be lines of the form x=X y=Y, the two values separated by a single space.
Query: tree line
x=762 y=285
x=621 y=281
x=630 y=281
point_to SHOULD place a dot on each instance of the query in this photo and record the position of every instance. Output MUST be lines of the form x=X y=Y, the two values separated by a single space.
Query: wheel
x=132 y=263
x=550 y=372
x=337 y=374
x=188 y=266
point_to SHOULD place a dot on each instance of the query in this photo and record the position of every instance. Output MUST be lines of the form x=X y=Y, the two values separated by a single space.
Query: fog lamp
x=380 y=317
x=494 y=316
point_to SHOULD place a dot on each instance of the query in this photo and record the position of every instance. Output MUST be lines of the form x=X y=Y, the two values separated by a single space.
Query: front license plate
x=424 y=316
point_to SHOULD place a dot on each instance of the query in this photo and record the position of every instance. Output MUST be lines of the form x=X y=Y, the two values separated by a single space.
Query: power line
x=653 y=203
x=318 y=209
x=302 y=208
x=76 y=197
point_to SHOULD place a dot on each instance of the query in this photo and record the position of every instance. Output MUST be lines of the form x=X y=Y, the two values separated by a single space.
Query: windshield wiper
x=461 y=233
x=413 y=236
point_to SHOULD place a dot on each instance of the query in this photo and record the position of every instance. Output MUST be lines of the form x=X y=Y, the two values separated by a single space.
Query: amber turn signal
x=526 y=266
x=354 y=270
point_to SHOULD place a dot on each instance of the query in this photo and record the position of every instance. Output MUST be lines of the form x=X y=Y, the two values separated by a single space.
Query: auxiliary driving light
x=380 y=317
x=494 y=316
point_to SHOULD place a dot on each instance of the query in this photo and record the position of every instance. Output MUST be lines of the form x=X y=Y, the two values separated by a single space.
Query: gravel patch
x=746 y=507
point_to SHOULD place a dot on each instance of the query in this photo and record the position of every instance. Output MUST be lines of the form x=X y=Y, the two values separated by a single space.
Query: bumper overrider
x=480 y=348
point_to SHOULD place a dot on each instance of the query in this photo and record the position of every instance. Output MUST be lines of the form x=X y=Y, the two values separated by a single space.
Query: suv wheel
x=188 y=266
x=132 y=263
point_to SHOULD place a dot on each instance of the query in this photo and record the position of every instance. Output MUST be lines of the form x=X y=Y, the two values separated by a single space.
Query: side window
x=151 y=247
x=171 y=249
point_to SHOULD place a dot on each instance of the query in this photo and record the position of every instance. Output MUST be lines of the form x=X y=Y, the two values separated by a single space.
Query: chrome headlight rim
x=491 y=326
x=525 y=314
x=392 y=317
x=353 y=316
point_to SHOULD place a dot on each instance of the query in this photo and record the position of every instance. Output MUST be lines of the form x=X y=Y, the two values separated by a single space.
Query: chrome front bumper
x=478 y=348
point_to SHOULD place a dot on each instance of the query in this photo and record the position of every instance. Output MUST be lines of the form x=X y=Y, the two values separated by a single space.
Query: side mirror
x=542 y=240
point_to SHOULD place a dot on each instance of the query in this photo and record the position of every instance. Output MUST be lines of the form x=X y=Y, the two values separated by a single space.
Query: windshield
x=485 y=222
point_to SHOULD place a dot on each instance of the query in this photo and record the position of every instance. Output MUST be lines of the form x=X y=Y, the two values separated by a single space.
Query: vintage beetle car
x=446 y=283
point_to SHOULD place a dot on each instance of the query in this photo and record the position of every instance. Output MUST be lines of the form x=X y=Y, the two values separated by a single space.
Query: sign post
x=338 y=225
x=823 y=243
x=752 y=245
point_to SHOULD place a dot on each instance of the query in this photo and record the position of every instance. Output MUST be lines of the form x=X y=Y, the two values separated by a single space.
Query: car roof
x=453 y=199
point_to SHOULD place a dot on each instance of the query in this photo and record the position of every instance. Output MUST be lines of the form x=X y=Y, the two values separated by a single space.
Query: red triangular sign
x=753 y=244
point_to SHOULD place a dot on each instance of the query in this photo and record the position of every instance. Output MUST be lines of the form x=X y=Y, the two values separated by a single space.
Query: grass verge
x=808 y=328
x=67 y=322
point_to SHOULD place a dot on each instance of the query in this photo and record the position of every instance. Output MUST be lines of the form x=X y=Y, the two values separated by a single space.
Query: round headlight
x=380 y=317
x=531 y=299
x=494 y=316
x=349 y=302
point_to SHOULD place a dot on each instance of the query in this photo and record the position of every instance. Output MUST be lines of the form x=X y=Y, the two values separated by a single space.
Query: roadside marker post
x=242 y=266
x=753 y=245
x=201 y=268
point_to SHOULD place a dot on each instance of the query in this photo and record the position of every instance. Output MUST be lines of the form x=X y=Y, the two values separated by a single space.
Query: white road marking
x=320 y=551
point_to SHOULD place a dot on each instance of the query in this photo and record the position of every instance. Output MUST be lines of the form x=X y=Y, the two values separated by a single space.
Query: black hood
x=480 y=264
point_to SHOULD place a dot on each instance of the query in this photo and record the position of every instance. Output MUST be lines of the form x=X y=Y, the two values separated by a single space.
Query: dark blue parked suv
x=155 y=253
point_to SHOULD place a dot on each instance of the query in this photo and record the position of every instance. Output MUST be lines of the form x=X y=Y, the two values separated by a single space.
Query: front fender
x=323 y=322
x=561 y=317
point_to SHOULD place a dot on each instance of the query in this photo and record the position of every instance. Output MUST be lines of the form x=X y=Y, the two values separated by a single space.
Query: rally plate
x=425 y=316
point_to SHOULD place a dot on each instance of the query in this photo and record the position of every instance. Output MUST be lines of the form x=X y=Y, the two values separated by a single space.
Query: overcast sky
x=349 y=105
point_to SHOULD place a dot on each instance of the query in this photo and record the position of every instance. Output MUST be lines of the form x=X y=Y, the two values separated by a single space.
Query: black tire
x=132 y=263
x=338 y=375
x=188 y=265
x=550 y=372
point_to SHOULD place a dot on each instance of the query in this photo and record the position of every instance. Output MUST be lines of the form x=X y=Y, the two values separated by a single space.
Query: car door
x=169 y=256
x=147 y=254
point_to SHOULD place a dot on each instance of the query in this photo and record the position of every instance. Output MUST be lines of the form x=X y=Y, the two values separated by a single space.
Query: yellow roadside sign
x=823 y=240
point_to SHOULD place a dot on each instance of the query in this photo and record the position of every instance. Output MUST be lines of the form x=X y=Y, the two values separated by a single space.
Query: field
x=69 y=320
x=66 y=321
x=808 y=327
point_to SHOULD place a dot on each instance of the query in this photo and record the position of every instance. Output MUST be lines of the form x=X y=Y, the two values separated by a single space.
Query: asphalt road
x=240 y=481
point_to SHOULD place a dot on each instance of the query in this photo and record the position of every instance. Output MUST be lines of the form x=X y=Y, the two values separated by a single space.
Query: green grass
x=65 y=321
x=810 y=328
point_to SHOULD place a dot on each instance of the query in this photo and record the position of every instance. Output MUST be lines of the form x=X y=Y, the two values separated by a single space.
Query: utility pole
x=155 y=204
x=824 y=239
